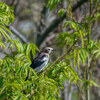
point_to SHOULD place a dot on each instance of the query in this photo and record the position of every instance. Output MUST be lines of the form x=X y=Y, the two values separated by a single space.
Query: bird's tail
x=28 y=73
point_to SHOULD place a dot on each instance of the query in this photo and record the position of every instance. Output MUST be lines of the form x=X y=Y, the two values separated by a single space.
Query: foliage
x=85 y=50
x=97 y=51
x=52 y=3
x=61 y=72
x=15 y=67
x=60 y=12
x=6 y=17
x=6 y=14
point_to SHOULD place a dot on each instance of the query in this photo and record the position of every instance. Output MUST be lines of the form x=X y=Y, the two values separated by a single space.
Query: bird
x=41 y=60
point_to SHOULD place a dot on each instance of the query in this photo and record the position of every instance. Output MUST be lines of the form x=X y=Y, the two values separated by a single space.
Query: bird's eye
x=48 y=49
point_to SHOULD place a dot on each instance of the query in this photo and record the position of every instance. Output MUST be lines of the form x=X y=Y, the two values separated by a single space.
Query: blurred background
x=35 y=22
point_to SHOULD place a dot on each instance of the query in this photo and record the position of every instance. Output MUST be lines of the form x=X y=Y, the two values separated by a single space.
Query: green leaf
x=6 y=29
x=74 y=25
x=4 y=34
x=94 y=84
x=60 y=12
x=83 y=55
x=52 y=3
x=2 y=45
x=98 y=54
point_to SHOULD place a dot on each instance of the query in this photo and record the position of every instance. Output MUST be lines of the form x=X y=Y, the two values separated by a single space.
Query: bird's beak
x=54 y=50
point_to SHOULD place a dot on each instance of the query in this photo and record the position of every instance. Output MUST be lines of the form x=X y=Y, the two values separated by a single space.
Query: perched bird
x=41 y=60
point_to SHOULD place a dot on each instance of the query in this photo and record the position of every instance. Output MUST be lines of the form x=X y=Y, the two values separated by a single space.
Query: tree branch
x=57 y=21
x=19 y=35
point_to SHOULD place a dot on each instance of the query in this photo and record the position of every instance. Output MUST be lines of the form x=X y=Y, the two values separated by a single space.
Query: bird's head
x=48 y=50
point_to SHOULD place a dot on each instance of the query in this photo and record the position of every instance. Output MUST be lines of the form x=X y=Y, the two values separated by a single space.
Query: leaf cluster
x=6 y=14
x=52 y=3
x=14 y=69
x=6 y=18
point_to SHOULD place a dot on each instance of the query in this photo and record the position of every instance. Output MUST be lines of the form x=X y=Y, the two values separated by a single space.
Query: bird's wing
x=40 y=59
